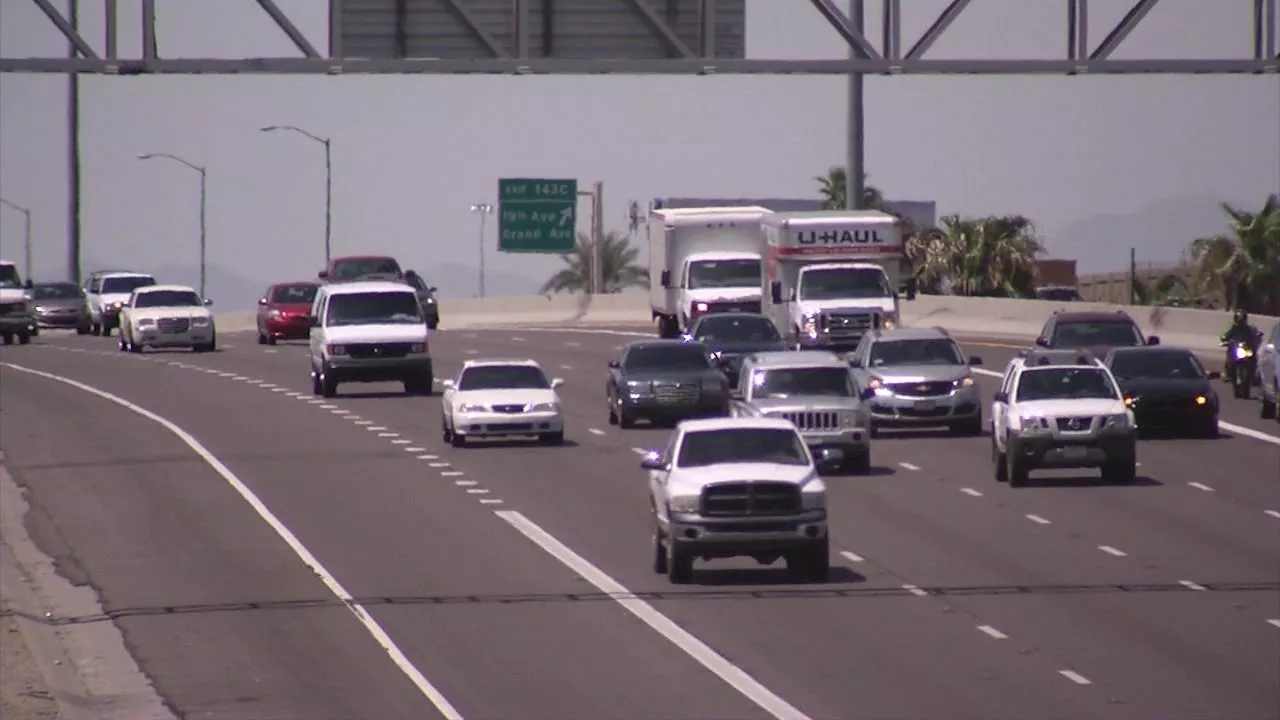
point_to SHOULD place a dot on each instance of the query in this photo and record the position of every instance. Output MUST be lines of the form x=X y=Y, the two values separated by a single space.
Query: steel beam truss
x=866 y=58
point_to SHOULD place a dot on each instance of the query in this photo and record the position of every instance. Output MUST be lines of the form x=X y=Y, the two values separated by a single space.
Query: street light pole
x=328 y=181
x=204 y=203
x=484 y=209
x=26 y=235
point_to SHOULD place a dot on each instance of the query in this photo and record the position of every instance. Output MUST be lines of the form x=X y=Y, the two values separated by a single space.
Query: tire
x=316 y=388
x=813 y=564
x=1210 y=429
x=446 y=435
x=95 y=329
x=858 y=463
x=1268 y=409
x=1017 y=472
x=106 y=331
x=418 y=385
x=679 y=564
x=613 y=415
x=555 y=438
x=271 y=339
x=7 y=338
x=626 y=420
x=262 y=339
x=24 y=338
x=969 y=428
x=82 y=330
x=328 y=385
x=433 y=324
x=659 y=553
x=1120 y=473
x=457 y=440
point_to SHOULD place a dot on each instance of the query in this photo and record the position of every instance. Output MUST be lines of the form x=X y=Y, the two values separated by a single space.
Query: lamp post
x=484 y=210
x=203 y=207
x=26 y=235
x=328 y=180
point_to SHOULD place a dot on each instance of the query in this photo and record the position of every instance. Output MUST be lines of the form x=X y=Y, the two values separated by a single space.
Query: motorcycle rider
x=1242 y=333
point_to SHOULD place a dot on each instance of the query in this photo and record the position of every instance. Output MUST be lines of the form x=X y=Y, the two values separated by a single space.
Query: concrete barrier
x=1020 y=319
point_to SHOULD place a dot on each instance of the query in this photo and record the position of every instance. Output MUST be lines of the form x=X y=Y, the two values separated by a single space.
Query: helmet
x=1240 y=317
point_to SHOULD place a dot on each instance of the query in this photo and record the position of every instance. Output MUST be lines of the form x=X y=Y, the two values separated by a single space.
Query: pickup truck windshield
x=167 y=298
x=844 y=283
x=114 y=285
x=724 y=274
x=503 y=377
x=915 y=352
x=9 y=276
x=1064 y=384
x=667 y=357
x=741 y=445
x=735 y=328
x=799 y=382
x=382 y=308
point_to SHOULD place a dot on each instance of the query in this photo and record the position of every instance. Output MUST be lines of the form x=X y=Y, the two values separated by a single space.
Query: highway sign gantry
x=537 y=216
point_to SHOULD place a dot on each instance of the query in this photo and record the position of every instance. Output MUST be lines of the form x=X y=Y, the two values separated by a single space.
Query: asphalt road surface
x=515 y=579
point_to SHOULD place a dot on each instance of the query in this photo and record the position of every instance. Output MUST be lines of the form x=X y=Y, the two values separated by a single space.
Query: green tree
x=1243 y=264
x=991 y=256
x=834 y=188
x=619 y=269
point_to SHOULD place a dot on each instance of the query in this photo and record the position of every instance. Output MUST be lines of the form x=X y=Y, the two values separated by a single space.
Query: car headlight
x=639 y=387
x=1202 y=400
x=199 y=322
x=889 y=322
x=683 y=503
x=116 y=305
x=813 y=496
x=964 y=382
x=276 y=314
x=418 y=348
x=39 y=308
x=431 y=301
x=545 y=407
x=1130 y=401
x=471 y=408
x=1119 y=421
x=700 y=307
x=146 y=322
x=810 y=325
x=1030 y=424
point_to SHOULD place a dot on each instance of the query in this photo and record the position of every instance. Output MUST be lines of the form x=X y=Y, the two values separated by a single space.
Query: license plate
x=1074 y=453
x=925 y=405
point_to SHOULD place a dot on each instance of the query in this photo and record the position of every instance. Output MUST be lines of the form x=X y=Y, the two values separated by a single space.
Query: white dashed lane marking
x=401 y=441
x=438 y=464
x=477 y=491
x=909 y=466
x=1112 y=551
x=851 y=556
x=428 y=457
x=490 y=501
x=639 y=451
x=1200 y=486
x=971 y=492
x=595 y=431
x=987 y=629
x=465 y=483
x=1191 y=585
x=388 y=435
x=1075 y=677
x=326 y=406
x=414 y=449
x=1275 y=622
x=1038 y=519
x=375 y=428
x=364 y=422
x=566 y=367
x=914 y=590
x=451 y=473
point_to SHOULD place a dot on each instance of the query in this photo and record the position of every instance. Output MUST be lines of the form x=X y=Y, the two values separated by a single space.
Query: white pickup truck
x=17 y=317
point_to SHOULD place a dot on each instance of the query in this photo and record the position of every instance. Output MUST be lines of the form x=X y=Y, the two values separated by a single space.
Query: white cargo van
x=703 y=260
x=831 y=276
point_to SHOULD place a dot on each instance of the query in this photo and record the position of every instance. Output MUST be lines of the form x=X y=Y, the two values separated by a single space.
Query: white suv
x=734 y=487
x=369 y=332
x=106 y=292
x=1061 y=409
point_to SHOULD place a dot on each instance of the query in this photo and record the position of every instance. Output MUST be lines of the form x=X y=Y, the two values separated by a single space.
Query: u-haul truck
x=831 y=276
x=703 y=260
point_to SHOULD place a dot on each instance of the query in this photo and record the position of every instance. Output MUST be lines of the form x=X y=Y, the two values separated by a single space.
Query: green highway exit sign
x=537 y=216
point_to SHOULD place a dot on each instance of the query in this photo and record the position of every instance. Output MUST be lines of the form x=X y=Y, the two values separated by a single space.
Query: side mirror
x=323 y=274
x=208 y=302
x=867 y=393
x=1042 y=341
x=613 y=364
x=665 y=278
x=262 y=301
x=855 y=362
x=651 y=461
x=432 y=288
x=1214 y=375
x=1001 y=397
x=775 y=292
x=829 y=458
x=314 y=321
x=975 y=360
x=911 y=288
x=1153 y=340
x=447 y=384
x=28 y=284
x=556 y=382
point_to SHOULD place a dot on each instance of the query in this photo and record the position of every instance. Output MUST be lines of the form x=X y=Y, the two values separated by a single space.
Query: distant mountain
x=455 y=280
x=1159 y=232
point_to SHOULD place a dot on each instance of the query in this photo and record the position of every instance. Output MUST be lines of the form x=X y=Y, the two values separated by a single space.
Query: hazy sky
x=412 y=153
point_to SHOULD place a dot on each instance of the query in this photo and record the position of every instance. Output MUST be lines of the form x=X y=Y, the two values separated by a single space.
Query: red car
x=284 y=312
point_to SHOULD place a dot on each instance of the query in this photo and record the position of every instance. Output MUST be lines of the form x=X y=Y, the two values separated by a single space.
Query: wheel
x=998 y=463
x=970 y=427
x=626 y=420
x=555 y=438
x=8 y=338
x=82 y=330
x=24 y=338
x=328 y=385
x=613 y=414
x=659 y=553
x=457 y=440
x=95 y=329
x=433 y=323
x=106 y=331
x=271 y=339
x=1210 y=429
x=858 y=463
x=679 y=564
x=1017 y=472
x=445 y=434
x=873 y=431
x=1268 y=409
x=262 y=339
x=813 y=564
x=1120 y=473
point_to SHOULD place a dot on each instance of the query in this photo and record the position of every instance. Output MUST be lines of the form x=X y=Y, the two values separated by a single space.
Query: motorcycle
x=1241 y=368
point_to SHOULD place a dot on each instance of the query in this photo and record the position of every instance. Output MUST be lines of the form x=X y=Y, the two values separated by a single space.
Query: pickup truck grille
x=921 y=389
x=173 y=325
x=742 y=306
x=850 y=325
x=746 y=499
x=378 y=350
x=1075 y=424
x=813 y=420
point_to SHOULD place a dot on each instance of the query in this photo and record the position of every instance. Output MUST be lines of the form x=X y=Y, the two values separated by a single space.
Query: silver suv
x=918 y=377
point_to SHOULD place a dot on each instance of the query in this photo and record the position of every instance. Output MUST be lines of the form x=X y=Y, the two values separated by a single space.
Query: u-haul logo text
x=839 y=237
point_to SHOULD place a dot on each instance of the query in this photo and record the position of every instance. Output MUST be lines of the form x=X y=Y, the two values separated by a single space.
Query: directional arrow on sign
x=566 y=216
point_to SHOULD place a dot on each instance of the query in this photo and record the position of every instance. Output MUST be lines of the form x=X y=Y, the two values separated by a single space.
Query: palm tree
x=992 y=256
x=1243 y=264
x=618 y=267
x=834 y=189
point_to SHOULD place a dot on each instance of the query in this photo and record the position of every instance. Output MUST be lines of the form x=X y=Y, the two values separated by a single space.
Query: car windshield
x=301 y=294
x=167 y=298
x=724 y=274
x=667 y=357
x=735 y=328
x=1162 y=365
x=9 y=276
x=1091 y=334
x=113 y=285
x=788 y=382
x=741 y=445
x=368 y=308
x=57 y=291
x=842 y=283
x=930 y=351
x=1065 y=384
x=503 y=377
x=359 y=267
x=1058 y=294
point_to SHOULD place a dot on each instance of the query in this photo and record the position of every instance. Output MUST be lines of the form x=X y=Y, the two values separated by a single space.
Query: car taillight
x=335 y=349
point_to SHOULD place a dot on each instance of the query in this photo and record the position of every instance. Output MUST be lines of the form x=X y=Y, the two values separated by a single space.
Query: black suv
x=1095 y=331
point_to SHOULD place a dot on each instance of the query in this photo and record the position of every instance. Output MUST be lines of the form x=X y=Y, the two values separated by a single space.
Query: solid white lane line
x=851 y=556
x=1191 y=585
x=1273 y=513
x=1075 y=677
x=735 y=676
x=595 y=431
x=970 y=491
x=1275 y=622
x=396 y=655
x=1112 y=551
x=1038 y=519
x=993 y=632
x=914 y=590
x=909 y=466
x=1200 y=486
x=451 y=473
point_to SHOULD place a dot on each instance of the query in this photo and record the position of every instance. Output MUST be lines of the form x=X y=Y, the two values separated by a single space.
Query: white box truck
x=703 y=260
x=831 y=276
